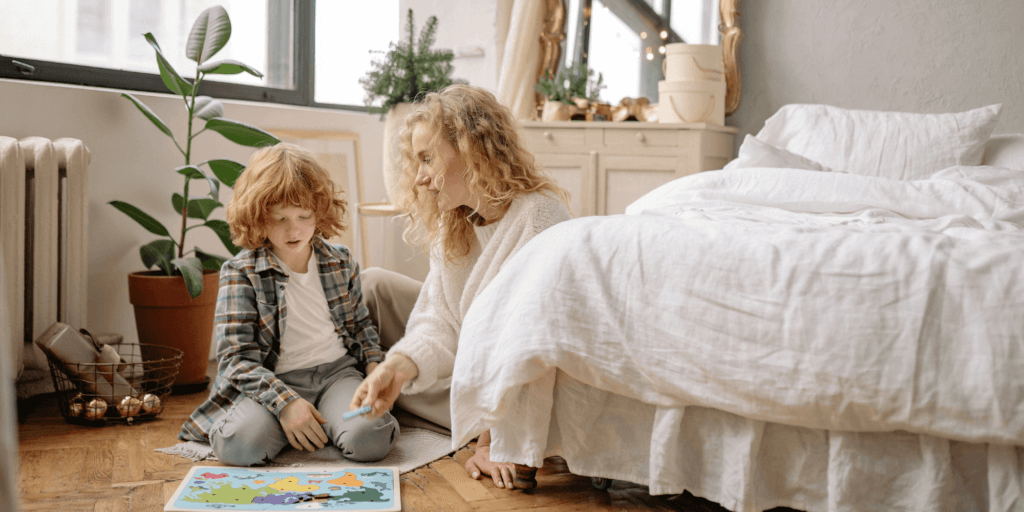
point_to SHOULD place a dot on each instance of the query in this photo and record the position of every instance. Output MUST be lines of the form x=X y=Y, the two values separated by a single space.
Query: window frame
x=303 y=58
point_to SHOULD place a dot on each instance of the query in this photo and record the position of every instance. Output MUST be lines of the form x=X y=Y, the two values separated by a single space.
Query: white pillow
x=757 y=153
x=1005 y=150
x=895 y=145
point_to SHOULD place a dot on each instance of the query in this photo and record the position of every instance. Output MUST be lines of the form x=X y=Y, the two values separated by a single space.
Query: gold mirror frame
x=553 y=33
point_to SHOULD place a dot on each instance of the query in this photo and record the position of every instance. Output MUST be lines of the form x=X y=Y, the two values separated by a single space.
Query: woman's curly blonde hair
x=282 y=174
x=498 y=168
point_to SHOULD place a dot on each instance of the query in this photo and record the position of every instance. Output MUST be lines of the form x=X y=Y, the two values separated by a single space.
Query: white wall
x=462 y=27
x=915 y=55
x=133 y=161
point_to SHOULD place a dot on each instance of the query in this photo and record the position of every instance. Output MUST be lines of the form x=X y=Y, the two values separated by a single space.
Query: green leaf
x=198 y=207
x=207 y=108
x=241 y=133
x=209 y=34
x=195 y=173
x=192 y=270
x=152 y=225
x=191 y=172
x=177 y=202
x=227 y=171
x=210 y=261
x=201 y=208
x=224 y=232
x=159 y=253
x=150 y=114
x=172 y=80
x=229 y=67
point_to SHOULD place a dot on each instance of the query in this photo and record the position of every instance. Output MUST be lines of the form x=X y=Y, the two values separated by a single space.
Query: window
x=310 y=53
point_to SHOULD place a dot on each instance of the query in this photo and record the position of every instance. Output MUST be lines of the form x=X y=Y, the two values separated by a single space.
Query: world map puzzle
x=294 y=488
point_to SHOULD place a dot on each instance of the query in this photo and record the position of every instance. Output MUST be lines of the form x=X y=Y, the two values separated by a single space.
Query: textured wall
x=462 y=27
x=912 y=55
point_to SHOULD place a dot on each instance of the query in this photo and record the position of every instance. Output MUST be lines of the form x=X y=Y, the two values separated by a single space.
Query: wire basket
x=98 y=393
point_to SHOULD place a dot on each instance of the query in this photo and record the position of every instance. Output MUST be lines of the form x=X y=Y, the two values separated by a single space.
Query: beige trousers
x=390 y=297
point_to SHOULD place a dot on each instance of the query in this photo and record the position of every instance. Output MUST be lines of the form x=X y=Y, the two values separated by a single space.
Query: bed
x=835 y=321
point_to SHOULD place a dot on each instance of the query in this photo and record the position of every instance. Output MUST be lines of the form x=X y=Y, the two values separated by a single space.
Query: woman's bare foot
x=480 y=463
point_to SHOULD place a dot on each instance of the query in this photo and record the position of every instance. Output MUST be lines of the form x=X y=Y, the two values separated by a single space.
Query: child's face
x=290 y=230
x=454 y=192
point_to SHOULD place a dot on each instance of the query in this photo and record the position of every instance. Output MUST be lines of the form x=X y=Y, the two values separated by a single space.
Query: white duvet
x=732 y=307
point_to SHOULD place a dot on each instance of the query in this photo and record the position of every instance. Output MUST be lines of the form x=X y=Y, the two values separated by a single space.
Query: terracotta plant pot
x=556 y=111
x=166 y=315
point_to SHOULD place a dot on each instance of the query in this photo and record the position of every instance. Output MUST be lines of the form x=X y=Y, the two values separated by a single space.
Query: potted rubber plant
x=408 y=70
x=174 y=304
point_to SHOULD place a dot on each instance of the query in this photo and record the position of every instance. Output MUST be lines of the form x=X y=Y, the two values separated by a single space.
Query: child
x=469 y=183
x=292 y=329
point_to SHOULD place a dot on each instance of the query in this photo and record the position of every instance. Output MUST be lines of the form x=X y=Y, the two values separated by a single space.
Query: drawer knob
x=548 y=136
x=640 y=137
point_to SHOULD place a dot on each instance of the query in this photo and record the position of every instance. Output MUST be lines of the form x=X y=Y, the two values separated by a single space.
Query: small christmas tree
x=409 y=70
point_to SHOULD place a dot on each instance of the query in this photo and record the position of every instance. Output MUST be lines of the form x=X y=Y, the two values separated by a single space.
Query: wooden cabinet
x=608 y=165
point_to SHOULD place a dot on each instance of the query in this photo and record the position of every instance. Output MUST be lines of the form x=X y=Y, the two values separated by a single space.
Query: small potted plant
x=409 y=70
x=569 y=92
x=174 y=305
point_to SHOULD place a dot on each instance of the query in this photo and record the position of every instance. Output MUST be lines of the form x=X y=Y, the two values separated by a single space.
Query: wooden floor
x=68 y=468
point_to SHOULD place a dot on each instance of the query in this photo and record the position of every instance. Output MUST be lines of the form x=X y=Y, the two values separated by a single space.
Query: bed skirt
x=750 y=465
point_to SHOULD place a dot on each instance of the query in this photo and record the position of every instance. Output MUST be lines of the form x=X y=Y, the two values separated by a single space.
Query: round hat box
x=693 y=62
x=691 y=102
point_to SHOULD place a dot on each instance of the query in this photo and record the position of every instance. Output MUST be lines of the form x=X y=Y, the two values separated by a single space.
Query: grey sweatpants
x=390 y=297
x=250 y=434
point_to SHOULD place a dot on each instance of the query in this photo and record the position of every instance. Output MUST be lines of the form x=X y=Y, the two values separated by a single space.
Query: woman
x=475 y=196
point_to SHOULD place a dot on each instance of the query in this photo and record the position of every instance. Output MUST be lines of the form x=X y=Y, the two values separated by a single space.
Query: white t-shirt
x=309 y=338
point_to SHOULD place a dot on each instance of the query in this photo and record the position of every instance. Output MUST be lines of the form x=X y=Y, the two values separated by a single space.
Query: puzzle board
x=294 y=488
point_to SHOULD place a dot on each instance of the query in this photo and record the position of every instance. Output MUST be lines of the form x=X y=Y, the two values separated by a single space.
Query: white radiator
x=43 y=221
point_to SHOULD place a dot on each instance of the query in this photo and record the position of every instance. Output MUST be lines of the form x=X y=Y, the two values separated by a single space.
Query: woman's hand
x=301 y=423
x=480 y=462
x=383 y=384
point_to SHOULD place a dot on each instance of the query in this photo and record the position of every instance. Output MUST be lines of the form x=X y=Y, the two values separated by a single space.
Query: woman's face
x=453 y=191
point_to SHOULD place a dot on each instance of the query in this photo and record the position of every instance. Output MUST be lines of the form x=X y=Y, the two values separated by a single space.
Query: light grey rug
x=415 y=447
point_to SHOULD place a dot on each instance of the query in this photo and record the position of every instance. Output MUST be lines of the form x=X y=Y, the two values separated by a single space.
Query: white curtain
x=518 y=72
x=8 y=418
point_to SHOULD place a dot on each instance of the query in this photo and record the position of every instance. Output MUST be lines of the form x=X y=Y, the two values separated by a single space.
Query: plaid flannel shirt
x=251 y=314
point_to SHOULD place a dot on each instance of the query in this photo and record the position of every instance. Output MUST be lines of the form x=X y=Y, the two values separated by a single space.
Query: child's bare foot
x=480 y=463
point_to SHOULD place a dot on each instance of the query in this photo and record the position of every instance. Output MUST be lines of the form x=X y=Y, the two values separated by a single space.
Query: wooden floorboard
x=114 y=468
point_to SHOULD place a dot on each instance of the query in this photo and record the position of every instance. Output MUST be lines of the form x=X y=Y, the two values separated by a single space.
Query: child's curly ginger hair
x=282 y=174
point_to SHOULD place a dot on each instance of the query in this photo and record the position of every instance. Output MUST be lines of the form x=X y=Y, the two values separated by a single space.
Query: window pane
x=109 y=34
x=349 y=36
x=614 y=52
x=93 y=28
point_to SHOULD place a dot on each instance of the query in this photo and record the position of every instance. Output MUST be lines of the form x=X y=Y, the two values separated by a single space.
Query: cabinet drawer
x=540 y=139
x=641 y=138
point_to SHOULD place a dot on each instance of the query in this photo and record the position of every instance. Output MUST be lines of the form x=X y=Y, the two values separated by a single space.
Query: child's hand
x=301 y=423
